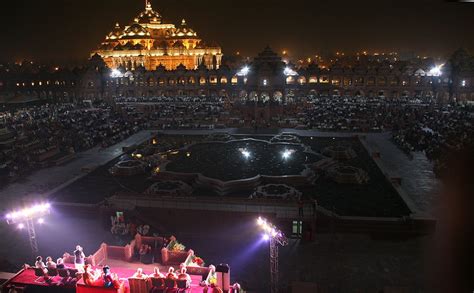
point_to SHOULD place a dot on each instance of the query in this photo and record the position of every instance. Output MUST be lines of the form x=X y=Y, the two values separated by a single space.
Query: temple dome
x=116 y=33
x=136 y=31
x=183 y=31
x=148 y=16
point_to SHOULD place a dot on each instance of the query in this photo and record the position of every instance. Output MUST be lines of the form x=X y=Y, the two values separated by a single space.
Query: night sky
x=67 y=30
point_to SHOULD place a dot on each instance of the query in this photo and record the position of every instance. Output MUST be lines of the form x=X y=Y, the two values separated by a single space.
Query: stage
x=27 y=279
x=123 y=263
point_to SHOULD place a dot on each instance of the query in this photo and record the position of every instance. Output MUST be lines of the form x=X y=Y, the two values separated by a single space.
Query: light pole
x=276 y=238
x=28 y=216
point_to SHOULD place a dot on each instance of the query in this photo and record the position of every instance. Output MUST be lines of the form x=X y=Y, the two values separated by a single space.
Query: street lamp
x=26 y=218
x=276 y=237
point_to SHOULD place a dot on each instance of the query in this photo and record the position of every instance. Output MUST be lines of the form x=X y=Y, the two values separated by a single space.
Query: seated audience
x=60 y=263
x=157 y=273
x=171 y=274
x=139 y=274
x=50 y=264
x=183 y=275
x=39 y=263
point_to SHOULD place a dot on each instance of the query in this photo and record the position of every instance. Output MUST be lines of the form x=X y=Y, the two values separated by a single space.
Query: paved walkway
x=418 y=178
x=57 y=177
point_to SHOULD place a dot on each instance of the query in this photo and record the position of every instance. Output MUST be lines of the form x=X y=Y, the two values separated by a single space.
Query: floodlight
x=116 y=73
x=435 y=71
x=244 y=71
x=289 y=72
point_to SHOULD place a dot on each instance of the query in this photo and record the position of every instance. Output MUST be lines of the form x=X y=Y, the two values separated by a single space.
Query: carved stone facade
x=267 y=80
x=149 y=42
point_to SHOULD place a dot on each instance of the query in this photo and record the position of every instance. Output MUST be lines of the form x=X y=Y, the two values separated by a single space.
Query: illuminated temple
x=150 y=42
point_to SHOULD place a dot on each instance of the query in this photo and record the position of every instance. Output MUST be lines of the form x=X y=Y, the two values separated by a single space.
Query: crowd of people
x=176 y=112
x=438 y=130
x=29 y=136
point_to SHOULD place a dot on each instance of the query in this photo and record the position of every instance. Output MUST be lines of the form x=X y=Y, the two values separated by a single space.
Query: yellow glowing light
x=154 y=141
x=157 y=170
x=139 y=156
x=188 y=155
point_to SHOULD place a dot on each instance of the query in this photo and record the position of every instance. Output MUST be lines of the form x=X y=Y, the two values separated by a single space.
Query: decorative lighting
x=435 y=71
x=463 y=83
x=116 y=73
x=289 y=72
x=245 y=153
x=244 y=71
x=287 y=154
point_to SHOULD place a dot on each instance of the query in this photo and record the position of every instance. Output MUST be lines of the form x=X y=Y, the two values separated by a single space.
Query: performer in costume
x=89 y=276
x=79 y=258
x=212 y=276
x=108 y=280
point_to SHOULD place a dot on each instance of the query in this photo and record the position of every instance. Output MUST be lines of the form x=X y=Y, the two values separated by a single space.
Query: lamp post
x=276 y=238
x=27 y=216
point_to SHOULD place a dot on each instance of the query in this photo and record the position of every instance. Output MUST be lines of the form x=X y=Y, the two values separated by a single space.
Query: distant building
x=266 y=79
x=150 y=42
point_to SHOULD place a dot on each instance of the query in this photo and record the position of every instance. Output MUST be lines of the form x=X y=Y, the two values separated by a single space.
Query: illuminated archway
x=278 y=96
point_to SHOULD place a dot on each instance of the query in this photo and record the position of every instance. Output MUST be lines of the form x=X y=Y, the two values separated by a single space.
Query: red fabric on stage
x=82 y=288
x=28 y=277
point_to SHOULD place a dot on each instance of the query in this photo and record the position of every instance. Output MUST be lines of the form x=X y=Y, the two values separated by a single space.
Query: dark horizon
x=67 y=30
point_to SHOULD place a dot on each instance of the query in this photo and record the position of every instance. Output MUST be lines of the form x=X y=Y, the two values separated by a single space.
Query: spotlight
x=40 y=221
x=260 y=221
x=21 y=226
x=266 y=237
x=274 y=233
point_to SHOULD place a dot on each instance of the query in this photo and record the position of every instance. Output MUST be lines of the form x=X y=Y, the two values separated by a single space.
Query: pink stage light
x=266 y=237
x=40 y=221
x=21 y=226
